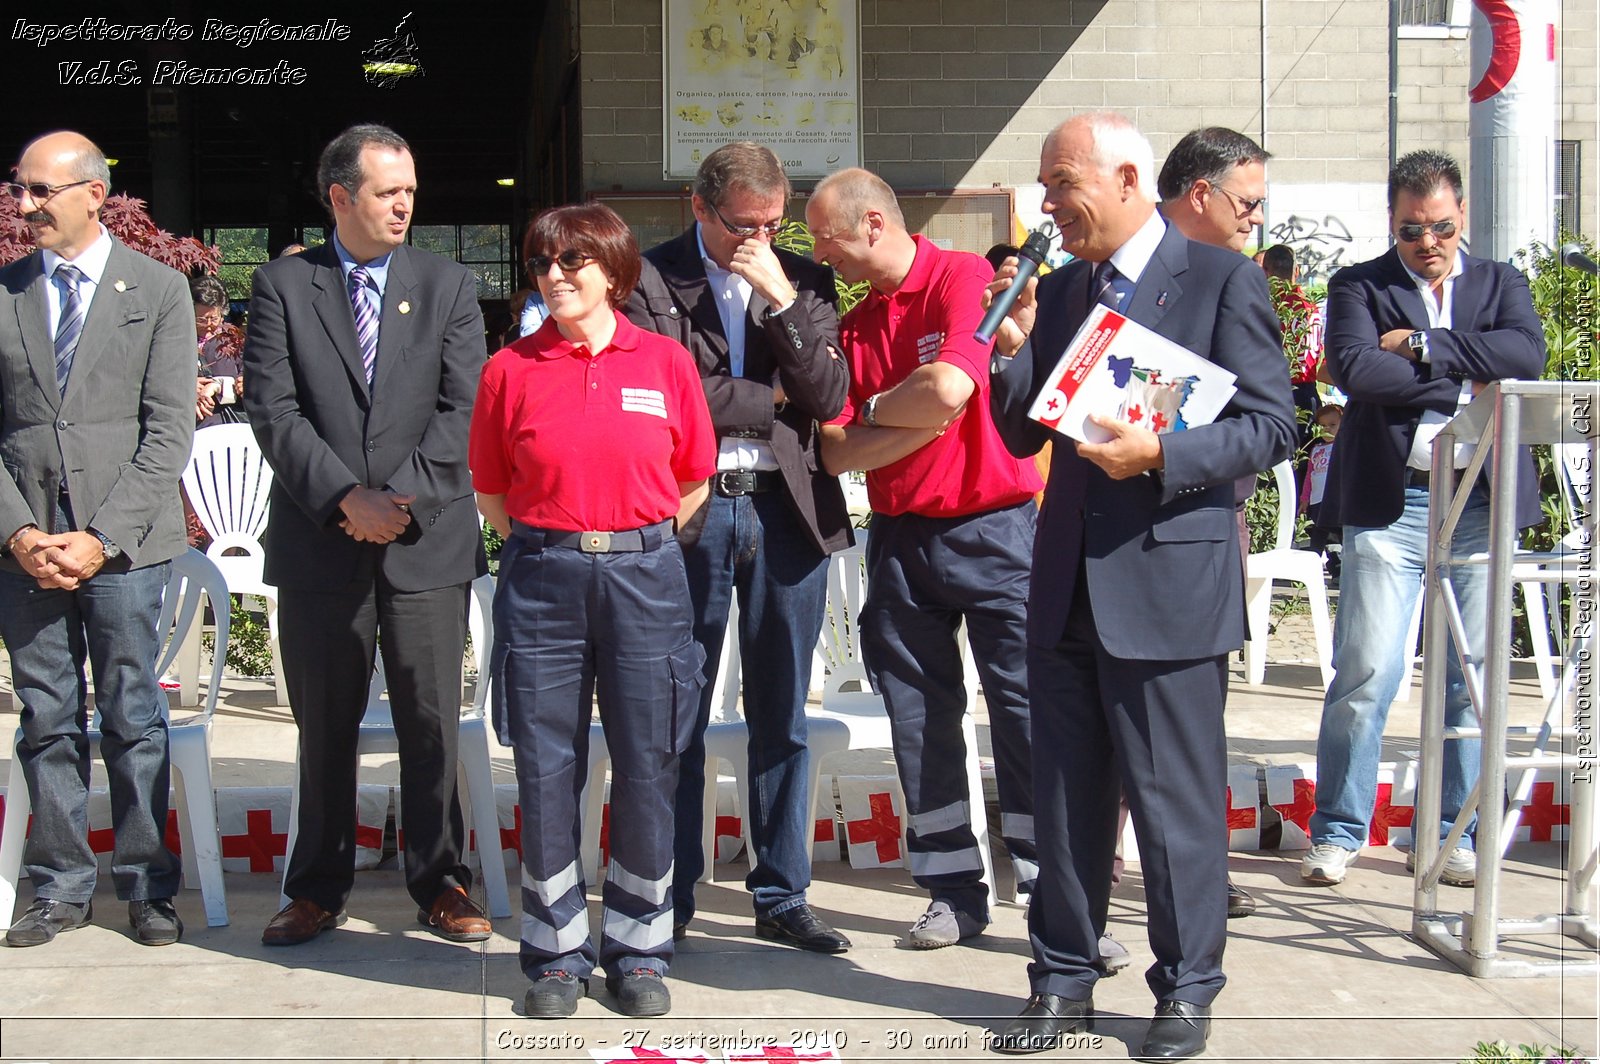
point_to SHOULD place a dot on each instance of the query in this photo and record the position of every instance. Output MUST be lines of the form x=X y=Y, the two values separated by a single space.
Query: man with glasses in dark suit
x=763 y=327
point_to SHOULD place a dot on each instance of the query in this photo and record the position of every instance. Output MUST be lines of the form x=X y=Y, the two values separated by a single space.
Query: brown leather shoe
x=299 y=921
x=456 y=917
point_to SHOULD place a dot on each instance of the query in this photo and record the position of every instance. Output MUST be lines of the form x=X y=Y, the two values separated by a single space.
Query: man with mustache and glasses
x=97 y=379
x=1412 y=336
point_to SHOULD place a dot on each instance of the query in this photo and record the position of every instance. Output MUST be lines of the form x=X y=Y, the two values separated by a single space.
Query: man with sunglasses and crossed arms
x=763 y=327
x=1412 y=336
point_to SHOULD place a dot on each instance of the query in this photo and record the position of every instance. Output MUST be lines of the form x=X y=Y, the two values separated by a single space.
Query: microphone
x=1572 y=255
x=1029 y=258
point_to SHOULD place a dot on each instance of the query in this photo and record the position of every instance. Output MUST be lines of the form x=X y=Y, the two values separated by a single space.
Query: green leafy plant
x=1566 y=301
x=1502 y=1053
x=249 y=641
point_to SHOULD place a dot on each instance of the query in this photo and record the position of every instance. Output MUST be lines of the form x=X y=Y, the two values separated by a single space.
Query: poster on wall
x=784 y=73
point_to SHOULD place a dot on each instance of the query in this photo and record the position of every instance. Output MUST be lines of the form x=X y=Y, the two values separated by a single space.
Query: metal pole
x=1485 y=932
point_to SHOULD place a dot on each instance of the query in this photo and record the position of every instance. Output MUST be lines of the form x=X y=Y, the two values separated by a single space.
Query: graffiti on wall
x=1320 y=247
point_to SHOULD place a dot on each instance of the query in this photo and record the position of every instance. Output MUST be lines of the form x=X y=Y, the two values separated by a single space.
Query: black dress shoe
x=1178 y=1031
x=44 y=918
x=801 y=927
x=1040 y=1025
x=1240 y=903
x=680 y=931
x=155 y=922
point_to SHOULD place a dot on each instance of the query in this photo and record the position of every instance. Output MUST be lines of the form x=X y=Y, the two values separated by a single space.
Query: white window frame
x=1458 y=21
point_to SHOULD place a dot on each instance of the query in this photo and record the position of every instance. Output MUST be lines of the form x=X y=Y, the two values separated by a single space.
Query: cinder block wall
x=958 y=94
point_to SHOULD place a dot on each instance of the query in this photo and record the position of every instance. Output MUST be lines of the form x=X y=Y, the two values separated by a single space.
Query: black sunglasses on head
x=1412 y=232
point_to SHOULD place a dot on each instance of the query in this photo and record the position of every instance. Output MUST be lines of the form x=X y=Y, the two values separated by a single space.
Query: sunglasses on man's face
x=570 y=261
x=39 y=190
x=1412 y=232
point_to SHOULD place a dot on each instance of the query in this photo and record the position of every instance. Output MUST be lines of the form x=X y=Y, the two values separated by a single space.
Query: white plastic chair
x=853 y=716
x=194 y=581
x=377 y=736
x=1283 y=562
x=229 y=485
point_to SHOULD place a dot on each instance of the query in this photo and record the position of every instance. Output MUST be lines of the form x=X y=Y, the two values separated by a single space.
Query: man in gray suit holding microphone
x=96 y=419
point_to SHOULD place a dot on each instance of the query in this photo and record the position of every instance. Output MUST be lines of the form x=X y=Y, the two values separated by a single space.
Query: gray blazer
x=121 y=435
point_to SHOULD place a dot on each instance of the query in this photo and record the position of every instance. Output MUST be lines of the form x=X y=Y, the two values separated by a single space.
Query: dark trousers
x=925 y=575
x=110 y=621
x=329 y=640
x=756 y=547
x=568 y=624
x=1152 y=730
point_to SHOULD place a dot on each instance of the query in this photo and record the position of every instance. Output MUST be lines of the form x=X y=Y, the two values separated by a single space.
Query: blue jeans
x=1382 y=576
x=755 y=545
x=110 y=620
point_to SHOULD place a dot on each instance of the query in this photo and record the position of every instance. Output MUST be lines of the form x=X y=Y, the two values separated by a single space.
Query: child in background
x=1328 y=417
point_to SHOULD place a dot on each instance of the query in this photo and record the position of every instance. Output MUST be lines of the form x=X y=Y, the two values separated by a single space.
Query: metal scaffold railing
x=1506 y=416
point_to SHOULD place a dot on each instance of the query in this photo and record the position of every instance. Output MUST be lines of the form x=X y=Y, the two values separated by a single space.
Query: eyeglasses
x=1246 y=206
x=1412 y=232
x=570 y=261
x=39 y=190
x=744 y=232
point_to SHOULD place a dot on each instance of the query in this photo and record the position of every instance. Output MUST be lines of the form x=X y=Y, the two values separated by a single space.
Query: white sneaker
x=1326 y=864
x=1460 y=868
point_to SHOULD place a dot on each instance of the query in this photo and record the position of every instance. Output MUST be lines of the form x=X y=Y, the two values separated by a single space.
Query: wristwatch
x=1418 y=342
x=112 y=551
x=869 y=412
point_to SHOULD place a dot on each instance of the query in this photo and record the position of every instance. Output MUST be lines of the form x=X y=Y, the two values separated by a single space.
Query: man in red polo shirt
x=951 y=536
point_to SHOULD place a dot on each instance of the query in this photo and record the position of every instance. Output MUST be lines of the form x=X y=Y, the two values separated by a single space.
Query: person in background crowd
x=93 y=446
x=1314 y=485
x=1302 y=329
x=1125 y=698
x=763 y=327
x=1412 y=335
x=591 y=444
x=220 y=383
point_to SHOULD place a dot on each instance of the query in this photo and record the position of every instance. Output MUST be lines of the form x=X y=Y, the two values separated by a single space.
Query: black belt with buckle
x=746 y=481
x=633 y=540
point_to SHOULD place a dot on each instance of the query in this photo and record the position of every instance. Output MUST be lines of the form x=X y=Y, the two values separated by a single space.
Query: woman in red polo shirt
x=591 y=443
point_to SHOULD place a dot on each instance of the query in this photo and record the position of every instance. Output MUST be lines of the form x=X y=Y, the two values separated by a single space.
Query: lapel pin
x=121 y=285
x=1161 y=300
x=405 y=307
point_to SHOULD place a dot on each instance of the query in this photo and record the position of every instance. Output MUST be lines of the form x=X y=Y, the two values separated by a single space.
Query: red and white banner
x=1244 y=808
x=874 y=823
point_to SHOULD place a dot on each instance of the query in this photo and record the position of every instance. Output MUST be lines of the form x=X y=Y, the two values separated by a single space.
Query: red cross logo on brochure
x=1056 y=405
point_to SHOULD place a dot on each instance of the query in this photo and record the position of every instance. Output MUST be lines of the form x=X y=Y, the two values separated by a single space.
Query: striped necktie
x=363 y=300
x=71 y=325
x=1108 y=287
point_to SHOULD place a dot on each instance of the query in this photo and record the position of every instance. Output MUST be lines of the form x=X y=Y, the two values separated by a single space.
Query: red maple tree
x=127 y=219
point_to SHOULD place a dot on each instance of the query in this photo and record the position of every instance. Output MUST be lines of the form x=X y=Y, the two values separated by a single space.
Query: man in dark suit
x=363 y=358
x=764 y=329
x=1212 y=186
x=97 y=377
x=1137 y=592
x=1412 y=336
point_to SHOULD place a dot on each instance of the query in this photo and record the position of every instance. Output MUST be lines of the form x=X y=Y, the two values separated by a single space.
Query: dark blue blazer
x=1496 y=335
x=1160 y=552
